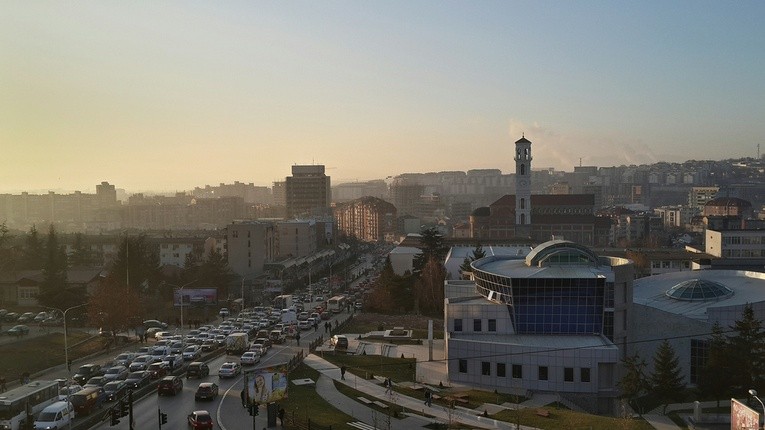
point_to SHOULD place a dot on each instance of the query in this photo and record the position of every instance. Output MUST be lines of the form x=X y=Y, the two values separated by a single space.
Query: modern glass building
x=552 y=322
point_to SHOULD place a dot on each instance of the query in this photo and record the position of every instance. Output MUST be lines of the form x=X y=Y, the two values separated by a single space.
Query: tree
x=114 y=306
x=465 y=268
x=53 y=286
x=634 y=383
x=714 y=376
x=667 y=379
x=81 y=255
x=33 y=250
x=432 y=245
x=429 y=290
x=137 y=263
x=748 y=359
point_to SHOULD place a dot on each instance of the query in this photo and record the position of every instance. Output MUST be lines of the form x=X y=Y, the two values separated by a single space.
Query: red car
x=200 y=420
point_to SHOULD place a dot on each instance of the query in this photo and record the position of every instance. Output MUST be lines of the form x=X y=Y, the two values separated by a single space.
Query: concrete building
x=250 y=245
x=674 y=216
x=402 y=259
x=699 y=196
x=296 y=238
x=369 y=219
x=174 y=250
x=737 y=243
x=728 y=206
x=684 y=306
x=308 y=192
x=555 y=321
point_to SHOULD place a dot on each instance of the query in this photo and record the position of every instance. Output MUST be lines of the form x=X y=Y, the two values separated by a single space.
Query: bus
x=336 y=304
x=25 y=402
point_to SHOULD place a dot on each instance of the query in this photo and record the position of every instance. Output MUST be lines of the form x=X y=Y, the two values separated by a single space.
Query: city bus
x=336 y=304
x=23 y=403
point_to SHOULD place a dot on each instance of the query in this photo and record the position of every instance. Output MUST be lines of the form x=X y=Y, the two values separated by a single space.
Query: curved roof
x=482 y=211
x=728 y=201
x=699 y=290
x=554 y=249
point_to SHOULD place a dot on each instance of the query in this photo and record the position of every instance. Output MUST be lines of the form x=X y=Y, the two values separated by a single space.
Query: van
x=339 y=341
x=87 y=400
x=55 y=416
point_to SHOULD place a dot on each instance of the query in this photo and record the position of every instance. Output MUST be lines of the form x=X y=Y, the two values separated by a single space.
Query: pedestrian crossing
x=362 y=426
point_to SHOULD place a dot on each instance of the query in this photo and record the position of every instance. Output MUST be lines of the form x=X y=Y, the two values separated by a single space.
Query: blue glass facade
x=558 y=306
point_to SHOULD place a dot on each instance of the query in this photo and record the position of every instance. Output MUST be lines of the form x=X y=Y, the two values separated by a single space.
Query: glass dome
x=699 y=290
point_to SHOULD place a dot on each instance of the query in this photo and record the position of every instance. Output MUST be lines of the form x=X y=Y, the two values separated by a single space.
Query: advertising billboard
x=195 y=296
x=266 y=385
x=743 y=417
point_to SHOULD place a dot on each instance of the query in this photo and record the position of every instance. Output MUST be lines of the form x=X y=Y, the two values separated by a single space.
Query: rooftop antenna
x=580 y=161
x=758 y=151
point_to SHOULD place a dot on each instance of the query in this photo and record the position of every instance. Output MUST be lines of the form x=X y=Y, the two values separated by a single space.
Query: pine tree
x=432 y=245
x=33 y=250
x=667 y=379
x=747 y=357
x=635 y=382
x=53 y=287
x=714 y=375
x=137 y=263
x=81 y=255
x=465 y=268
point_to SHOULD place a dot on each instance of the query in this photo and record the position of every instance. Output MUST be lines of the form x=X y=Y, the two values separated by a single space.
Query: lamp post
x=753 y=393
x=180 y=292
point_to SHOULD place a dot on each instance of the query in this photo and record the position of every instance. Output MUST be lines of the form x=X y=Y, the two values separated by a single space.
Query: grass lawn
x=303 y=403
x=42 y=352
x=560 y=419
x=397 y=369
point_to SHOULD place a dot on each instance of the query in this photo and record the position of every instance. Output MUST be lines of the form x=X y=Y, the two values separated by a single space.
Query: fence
x=293 y=422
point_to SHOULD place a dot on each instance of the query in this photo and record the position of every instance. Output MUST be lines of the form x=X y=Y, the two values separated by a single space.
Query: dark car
x=17 y=330
x=87 y=400
x=87 y=371
x=197 y=369
x=206 y=391
x=115 y=390
x=138 y=379
x=96 y=381
x=171 y=385
x=116 y=373
x=158 y=370
x=200 y=420
x=155 y=323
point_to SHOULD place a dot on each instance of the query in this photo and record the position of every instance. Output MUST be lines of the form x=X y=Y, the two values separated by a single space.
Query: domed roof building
x=728 y=206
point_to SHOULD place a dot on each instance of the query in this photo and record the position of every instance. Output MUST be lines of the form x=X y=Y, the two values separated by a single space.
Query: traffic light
x=115 y=416
x=253 y=409
x=162 y=418
x=124 y=408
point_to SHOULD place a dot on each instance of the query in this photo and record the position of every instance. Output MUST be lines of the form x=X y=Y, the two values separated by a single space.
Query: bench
x=380 y=404
x=364 y=400
x=462 y=400
x=543 y=413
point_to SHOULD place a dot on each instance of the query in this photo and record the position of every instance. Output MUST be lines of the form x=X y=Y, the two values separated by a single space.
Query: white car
x=192 y=353
x=258 y=349
x=229 y=370
x=249 y=358
x=304 y=325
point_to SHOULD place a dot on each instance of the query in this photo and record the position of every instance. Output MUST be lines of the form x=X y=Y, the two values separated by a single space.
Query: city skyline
x=175 y=95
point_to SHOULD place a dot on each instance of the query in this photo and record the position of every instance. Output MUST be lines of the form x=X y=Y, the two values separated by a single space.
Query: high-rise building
x=308 y=192
x=369 y=219
x=250 y=245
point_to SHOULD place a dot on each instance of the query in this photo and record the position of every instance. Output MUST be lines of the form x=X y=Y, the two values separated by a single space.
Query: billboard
x=195 y=296
x=266 y=385
x=743 y=417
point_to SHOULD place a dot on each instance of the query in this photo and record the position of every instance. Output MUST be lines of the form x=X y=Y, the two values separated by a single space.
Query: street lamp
x=753 y=393
x=180 y=293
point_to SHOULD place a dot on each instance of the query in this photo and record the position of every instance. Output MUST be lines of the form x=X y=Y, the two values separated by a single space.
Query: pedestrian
x=281 y=415
x=25 y=378
x=342 y=371
x=315 y=326
x=388 y=386
x=3 y=388
x=428 y=397
x=297 y=338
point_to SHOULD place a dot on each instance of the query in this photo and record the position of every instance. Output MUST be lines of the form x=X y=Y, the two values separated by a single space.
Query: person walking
x=342 y=371
x=297 y=338
x=281 y=415
x=388 y=386
x=428 y=397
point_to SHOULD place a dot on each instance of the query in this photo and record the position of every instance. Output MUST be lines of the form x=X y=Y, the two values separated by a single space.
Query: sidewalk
x=372 y=390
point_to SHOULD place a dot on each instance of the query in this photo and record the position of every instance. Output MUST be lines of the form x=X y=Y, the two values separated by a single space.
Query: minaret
x=523 y=187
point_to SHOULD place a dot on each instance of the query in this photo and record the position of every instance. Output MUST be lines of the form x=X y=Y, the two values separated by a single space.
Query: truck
x=283 y=302
x=237 y=343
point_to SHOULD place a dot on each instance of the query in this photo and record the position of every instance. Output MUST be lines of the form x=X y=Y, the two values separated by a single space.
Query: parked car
x=171 y=385
x=206 y=391
x=26 y=317
x=249 y=358
x=18 y=330
x=87 y=371
x=339 y=341
x=200 y=420
x=229 y=370
x=138 y=379
x=155 y=323
x=115 y=390
x=197 y=369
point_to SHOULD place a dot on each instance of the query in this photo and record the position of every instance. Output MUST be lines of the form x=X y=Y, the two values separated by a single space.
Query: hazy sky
x=170 y=95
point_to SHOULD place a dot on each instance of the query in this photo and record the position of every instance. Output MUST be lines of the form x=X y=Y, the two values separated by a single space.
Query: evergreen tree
x=432 y=246
x=137 y=263
x=53 y=287
x=429 y=290
x=635 y=382
x=465 y=268
x=714 y=375
x=81 y=255
x=747 y=357
x=214 y=272
x=666 y=379
x=33 y=250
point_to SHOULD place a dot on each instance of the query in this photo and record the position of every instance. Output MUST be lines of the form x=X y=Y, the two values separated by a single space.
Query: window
x=699 y=354
x=523 y=203
x=462 y=366
x=458 y=324
x=517 y=371
x=476 y=325
x=523 y=219
x=235 y=233
x=492 y=325
x=584 y=374
x=568 y=374
x=542 y=373
x=523 y=169
x=485 y=368
x=501 y=370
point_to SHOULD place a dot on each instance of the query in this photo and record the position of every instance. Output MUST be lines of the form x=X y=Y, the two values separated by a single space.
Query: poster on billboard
x=743 y=417
x=195 y=296
x=266 y=385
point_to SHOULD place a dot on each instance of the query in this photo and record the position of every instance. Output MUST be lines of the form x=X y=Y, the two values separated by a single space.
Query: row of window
x=477 y=324
x=516 y=371
x=743 y=240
